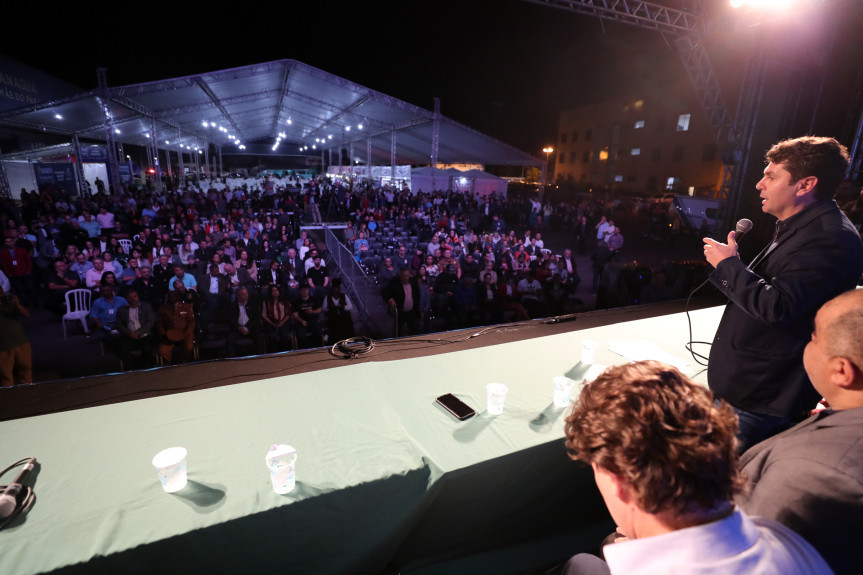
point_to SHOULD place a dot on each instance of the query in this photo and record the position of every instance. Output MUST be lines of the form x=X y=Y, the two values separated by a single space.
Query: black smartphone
x=456 y=406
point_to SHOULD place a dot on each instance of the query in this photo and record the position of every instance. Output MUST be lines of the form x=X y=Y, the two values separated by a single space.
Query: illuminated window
x=672 y=183
x=618 y=178
x=683 y=123
x=635 y=151
x=603 y=154
x=639 y=124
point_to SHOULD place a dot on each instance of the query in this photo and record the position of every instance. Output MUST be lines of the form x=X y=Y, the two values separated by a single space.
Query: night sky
x=504 y=67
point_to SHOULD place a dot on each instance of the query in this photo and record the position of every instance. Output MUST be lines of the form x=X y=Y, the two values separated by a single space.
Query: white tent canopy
x=481 y=183
x=477 y=182
x=428 y=179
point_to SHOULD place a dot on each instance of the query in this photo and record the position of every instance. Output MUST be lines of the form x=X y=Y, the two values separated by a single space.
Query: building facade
x=646 y=144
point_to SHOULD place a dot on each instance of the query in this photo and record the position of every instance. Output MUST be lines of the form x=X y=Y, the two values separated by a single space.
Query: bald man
x=810 y=478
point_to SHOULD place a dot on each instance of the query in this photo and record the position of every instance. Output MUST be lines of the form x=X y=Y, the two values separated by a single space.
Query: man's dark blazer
x=253 y=310
x=146 y=317
x=394 y=290
x=756 y=360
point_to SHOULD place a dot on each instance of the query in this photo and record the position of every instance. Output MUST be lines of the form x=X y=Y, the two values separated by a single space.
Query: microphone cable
x=24 y=499
x=352 y=347
x=742 y=227
x=688 y=345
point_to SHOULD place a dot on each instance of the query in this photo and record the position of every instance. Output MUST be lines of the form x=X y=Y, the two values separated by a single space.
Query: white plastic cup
x=562 y=390
x=588 y=351
x=281 y=461
x=171 y=466
x=495 y=398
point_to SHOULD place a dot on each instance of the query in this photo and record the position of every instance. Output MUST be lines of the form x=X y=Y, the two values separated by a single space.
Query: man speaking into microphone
x=756 y=360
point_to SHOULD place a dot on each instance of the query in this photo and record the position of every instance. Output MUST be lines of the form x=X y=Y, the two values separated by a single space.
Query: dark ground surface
x=78 y=356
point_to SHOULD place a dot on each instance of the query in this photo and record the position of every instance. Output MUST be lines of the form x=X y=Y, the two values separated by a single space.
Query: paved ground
x=78 y=356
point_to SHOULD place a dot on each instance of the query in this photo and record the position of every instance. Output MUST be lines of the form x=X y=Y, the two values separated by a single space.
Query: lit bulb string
x=26 y=497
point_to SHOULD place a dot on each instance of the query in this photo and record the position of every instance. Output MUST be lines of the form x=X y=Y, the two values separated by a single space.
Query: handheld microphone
x=743 y=226
x=9 y=498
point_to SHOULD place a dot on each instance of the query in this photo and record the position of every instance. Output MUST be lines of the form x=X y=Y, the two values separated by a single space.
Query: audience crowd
x=442 y=260
x=198 y=245
x=229 y=264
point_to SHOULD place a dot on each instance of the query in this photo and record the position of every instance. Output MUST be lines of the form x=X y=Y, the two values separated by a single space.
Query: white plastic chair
x=127 y=246
x=77 y=307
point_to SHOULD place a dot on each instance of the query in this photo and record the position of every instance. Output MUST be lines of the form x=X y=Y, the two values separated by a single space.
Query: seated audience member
x=61 y=281
x=195 y=269
x=108 y=278
x=318 y=277
x=465 y=302
x=361 y=244
x=810 y=478
x=111 y=264
x=664 y=458
x=187 y=280
x=238 y=277
x=271 y=276
x=135 y=323
x=94 y=275
x=149 y=289
x=131 y=273
x=81 y=266
x=175 y=327
x=569 y=270
x=487 y=296
x=276 y=316
x=215 y=291
x=188 y=295
x=387 y=271
x=307 y=319
x=244 y=321
x=337 y=308
x=246 y=261
x=532 y=295
x=103 y=313
x=309 y=260
x=293 y=260
x=162 y=272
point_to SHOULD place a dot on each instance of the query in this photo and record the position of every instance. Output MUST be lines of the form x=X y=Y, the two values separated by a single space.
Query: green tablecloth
x=384 y=474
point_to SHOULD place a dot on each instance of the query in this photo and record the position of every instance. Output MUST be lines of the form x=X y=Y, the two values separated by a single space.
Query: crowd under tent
x=281 y=108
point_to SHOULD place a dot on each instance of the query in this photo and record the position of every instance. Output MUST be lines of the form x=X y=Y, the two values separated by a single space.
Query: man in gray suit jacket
x=810 y=478
x=135 y=323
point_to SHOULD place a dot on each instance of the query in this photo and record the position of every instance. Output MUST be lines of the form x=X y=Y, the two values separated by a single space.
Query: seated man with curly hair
x=664 y=458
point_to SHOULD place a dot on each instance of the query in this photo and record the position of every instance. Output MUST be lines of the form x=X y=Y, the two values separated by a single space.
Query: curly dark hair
x=660 y=434
x=824 y=158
